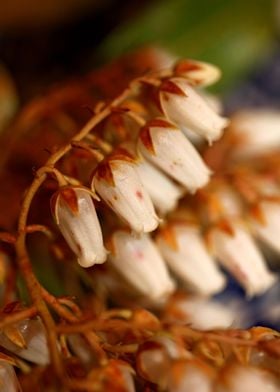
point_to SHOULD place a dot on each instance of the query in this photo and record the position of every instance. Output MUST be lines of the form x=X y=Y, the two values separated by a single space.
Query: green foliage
x=234 y=34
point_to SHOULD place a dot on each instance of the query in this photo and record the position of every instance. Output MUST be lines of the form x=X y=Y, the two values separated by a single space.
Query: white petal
x=139 y=261
x=191 y=261
x=198 y=72
x=163 y=192
x=82 y=230
x=176 y=156
x=258 y=129
x=239 y=254
x=128 y=197
x=269 y=231
x=192 y=111
x=34 y=335
x=8 y=378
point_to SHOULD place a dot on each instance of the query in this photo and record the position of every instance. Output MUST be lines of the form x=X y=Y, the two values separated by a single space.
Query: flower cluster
x=144 y=187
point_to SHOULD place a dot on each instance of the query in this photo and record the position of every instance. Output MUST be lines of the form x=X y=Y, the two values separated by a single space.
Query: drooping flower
x=238 y=253
x=117 y=182
x=183 y=249
x=163 y=192
x=139 y=262
x=30 y=343
x=165 y=146
x=76 y=217
x=182 y=105
x=256 y=131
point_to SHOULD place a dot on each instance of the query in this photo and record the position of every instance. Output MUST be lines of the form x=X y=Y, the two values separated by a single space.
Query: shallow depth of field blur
x=49 y=41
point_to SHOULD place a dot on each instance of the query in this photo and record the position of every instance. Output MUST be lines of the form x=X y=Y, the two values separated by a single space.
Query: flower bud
x=257 y=131
x=163 y=192
x=182 y=105
x=183 y=249
x=139 y=262
x=35 y=348
x=236 y=378
x=117 y=182
x=197 y=73
x=8 y=378
x=164 y=145
x=238 y=253
x=76 y=217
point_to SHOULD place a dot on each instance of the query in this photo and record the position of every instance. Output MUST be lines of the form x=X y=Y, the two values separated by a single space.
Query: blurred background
x=45 y=42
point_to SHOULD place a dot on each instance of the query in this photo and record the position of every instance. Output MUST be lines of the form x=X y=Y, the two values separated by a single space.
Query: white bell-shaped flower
x=197 y=73
x=163 y=192
x=238 y=253
x=183 y=105
x=165 y=145
x=138 y=260
x=76 y=217
x=183 y=249
x=35 y=348
x=117 y=182
x=257 y=130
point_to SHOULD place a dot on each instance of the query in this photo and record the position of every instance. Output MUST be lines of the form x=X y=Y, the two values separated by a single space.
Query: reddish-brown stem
x=12 y=318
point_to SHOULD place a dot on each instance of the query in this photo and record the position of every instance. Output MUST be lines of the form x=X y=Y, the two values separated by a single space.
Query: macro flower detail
x=117 y=182
x=182 y=105
x=163 y=191
x=197 y=73
x=75 y=215
x=32 y=345
x=139 y=262
x=165 y=146
x=238 y=253
x=183 y=249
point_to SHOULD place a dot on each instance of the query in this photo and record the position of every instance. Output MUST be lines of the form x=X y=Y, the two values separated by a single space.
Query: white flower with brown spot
x=117 y=182
x=164 y=145
x=184 y=106
x=75 y=215
x=138 y=260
